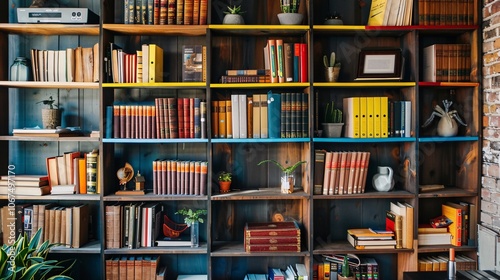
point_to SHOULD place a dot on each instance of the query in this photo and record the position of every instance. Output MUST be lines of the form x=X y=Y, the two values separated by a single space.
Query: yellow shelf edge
x=365 y=84
x=259 y=85
x=257 y=27
x=339 y=27
x=162 y=84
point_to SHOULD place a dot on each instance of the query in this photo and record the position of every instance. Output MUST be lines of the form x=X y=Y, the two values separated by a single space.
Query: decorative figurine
x=125 y=174
x=447 y=126
x=139 y=181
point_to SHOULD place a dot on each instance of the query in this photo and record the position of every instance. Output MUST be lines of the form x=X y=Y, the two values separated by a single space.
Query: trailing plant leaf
x=191 y=216
x=287 y=170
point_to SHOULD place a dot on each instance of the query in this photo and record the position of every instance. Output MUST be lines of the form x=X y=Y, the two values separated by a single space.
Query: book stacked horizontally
x=428 y=235
x=365 y=238
x=272 y=237
x=24 y=185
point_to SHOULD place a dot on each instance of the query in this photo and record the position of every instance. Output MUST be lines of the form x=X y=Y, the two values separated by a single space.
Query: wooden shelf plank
x=203 y=249
x=260 y=140
x=236 y=249
x=167 y=30
x=444 y=248
x=153 y=197
x=448 y=84
x=260 y=194
x=48 y=139
x=398 y=194
x=50 y=85
x=51 y=29
x=343 y=247
x=64 y=197
x=92 y=247
x=447 y=192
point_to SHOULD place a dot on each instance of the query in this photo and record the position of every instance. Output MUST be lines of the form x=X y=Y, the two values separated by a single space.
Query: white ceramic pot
x=383 y=180
x=233 y=19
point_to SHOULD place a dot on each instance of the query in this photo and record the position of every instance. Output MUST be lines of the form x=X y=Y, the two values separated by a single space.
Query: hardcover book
x=272 y=229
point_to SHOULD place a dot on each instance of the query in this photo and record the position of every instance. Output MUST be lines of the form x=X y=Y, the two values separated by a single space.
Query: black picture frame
x=380 y=64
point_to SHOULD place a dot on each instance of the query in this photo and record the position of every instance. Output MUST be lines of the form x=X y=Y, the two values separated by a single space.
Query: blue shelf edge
x=262 y=140
x=153 y=141
x=448 y=139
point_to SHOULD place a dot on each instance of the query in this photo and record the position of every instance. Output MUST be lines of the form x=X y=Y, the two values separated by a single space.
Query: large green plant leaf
x=31 y=271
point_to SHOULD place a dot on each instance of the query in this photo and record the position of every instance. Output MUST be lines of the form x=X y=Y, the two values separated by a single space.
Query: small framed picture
x=380 y=64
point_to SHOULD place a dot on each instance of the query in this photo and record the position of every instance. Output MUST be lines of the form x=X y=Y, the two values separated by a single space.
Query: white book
x=69 y=227
x=50 y=65
x=429 y=63
x=399 y=209
x=56 y=66
x=242 y=109
x=235 y=123
x=393 y=13
x=407 y=118
x=145 y=60
x=61 y=68
x=70 y=65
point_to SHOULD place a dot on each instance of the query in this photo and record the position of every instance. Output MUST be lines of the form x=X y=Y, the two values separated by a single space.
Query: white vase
x=383 y=180
x=290 y=18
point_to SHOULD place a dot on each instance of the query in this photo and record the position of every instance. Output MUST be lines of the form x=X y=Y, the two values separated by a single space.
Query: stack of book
x=447 y=63
x=439 y=12
x=297 y=271
x=391 y=13
x=173 y=177
x=272 y=237
x=428 y=235
x=440 y=263
x=24 y=185
x=287 y=61
x=134 y=267
x=365 y=238
x=400 y=220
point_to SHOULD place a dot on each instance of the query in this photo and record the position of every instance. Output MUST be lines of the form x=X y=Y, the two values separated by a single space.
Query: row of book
x=339 y=173
x=446 y=12
x=132 y=225
x=173 y=177
x=80 y=64
x=376 y=117
x=447 y=63
x=330 y=266
x=271 y=115
x=440 y=263
x=390 y=13
x=287 y=62
x=297 y=271
x=463 y=227
x=135 y=267
x=161 y=12
x=143 y=66
x=168 y=118
x=66 y=225
x=74 y=172
x=399 y=219
x=272 y=237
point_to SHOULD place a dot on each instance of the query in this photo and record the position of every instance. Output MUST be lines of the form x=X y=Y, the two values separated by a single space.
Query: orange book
x=328 y=171
x=249 y=117
x=352 y=170
x=333 y=187
x=203 y=11
x=52 y=171
x=222 y=119
x=455 y=228
x=196 y=12
x=229 y=119
x=82 y=173
x=188 y=12
x=357 y=166
x=365 y=159
x=342 y=172
x=215 y=119
x=271 y=44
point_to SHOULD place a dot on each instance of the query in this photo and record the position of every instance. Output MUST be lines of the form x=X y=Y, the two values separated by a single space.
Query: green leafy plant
x=26 y=259
x=191 y=216
x=49 y=102
x=234 y=10
x=346 y=271
x=224 y=177
x=287 y=170
x=332 y=114
x=332 y=62
x=289 y=6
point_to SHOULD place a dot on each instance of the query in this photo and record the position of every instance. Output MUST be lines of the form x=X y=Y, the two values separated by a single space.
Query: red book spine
x=172 y=118
x=155 y=173
x=116 y=121
x=160 y=129
x=180 y=117
x=191 y=118
x=165 y=118
x=303 y=63
x=203 y=11
x=123 y=113
x=156 y=12
x=185 y=113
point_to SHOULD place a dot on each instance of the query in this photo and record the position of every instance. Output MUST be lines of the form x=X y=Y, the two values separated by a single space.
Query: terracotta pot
x=224 y=187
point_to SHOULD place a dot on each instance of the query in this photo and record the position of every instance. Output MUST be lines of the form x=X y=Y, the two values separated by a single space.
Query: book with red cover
x=274 y=240
x=303 y=63
x=172 y=118
x=191 y=119
x=273 y=248
x=272 y=229
x=394 y=222
x=180 y=117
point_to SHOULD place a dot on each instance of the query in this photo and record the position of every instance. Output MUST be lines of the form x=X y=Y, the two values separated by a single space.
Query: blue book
x=197 y=118
x=296 y=57
x=274 y=114
x=109 y=122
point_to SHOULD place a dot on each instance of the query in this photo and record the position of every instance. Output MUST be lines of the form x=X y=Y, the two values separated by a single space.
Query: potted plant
x=51 y=116
x=224 y=179
x=287 y=178
x=233 y=15
x=332 y=67
x=193 y=218
x=332 y=125
x=346 y=270
x=333 y=19
x=29 y=257
x=290 y=12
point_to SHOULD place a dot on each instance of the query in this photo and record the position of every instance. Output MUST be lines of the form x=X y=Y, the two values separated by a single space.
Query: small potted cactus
x=332 y=125
x=233 y=15
x=332 y=67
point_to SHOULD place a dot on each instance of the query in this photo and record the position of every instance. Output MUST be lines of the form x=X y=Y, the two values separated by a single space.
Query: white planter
x=290 y=18
x=233 y=19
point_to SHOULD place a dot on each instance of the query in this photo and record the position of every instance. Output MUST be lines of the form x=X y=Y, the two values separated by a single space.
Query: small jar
x=20 y=69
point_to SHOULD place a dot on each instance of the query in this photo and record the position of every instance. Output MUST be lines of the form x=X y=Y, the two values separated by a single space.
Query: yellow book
x=363 y=120
x=155 y=64
x=229 y=119
x=377 y=12
x=326 y=270
x=376 y=117
x=384 y=117
x=256 y=115
x=222 y=119
x=370 y=113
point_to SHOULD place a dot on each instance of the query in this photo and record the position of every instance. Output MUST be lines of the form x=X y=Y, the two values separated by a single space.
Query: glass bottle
x=20 y=69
